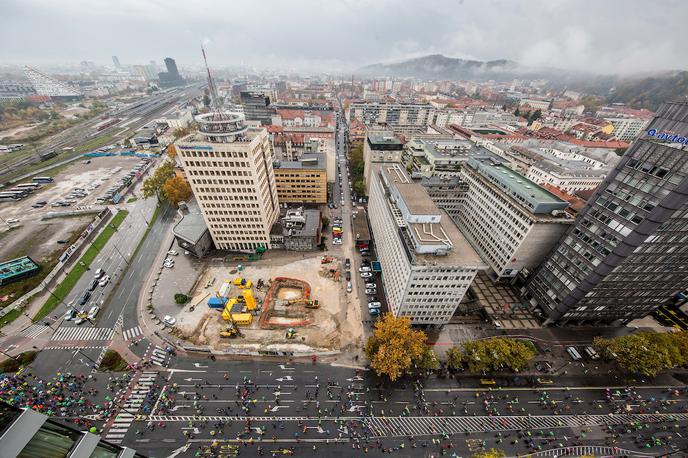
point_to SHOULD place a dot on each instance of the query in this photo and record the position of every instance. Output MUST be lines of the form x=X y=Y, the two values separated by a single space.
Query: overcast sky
x=619 y=36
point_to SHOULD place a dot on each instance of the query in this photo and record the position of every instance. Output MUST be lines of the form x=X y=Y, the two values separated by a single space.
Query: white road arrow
x=175 y=408
x=195 y=430
x=276 y=408
x=285 y=368
x=286 y=378
x=198 y=365
x=280 y=393
x=358 y=378
x=192 y=379
x=356 y=408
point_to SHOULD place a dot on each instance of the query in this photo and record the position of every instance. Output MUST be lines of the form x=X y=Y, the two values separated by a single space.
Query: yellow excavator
x=308 y=303
x=232 y=331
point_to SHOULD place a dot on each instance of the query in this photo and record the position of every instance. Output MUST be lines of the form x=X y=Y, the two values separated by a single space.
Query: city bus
x=29 y=186
x=42 y=179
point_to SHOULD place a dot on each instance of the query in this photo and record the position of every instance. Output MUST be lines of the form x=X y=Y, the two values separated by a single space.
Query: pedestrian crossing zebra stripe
x=34 y=331
x=158 y=356
x=77 y=333
x=130 y=334
x=73 y=347
x=126 y=416
x=589 y=450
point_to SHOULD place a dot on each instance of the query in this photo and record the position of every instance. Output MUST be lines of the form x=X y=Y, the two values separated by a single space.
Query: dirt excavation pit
x=285 y=302
x=289 y=293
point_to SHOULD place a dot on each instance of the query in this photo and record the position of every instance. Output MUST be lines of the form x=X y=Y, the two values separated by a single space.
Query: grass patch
x=77 y=270
x=113 y=362
x=47 y=263
x=132 y=199
x=22 y=359
x=10 y=317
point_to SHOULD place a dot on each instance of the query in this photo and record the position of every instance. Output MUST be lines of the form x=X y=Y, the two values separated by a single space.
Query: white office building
x=229 y=167
x=427 y=265
x=392 y=113
x=510 y=221
x=627 y=129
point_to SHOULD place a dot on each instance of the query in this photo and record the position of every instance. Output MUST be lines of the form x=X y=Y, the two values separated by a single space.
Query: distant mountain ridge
x=638 y=91
x=437 y=66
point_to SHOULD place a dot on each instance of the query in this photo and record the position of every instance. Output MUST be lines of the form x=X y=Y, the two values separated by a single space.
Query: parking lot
x=92 y=176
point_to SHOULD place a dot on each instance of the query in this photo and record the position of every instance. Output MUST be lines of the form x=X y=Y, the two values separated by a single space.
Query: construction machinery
x=326 y=259
x=308 y=303
x=237 y=309
x=231 y=332
x=242 y=283
x=291 y=333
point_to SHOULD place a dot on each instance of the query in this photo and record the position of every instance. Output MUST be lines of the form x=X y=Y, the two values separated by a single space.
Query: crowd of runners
x=337 y=413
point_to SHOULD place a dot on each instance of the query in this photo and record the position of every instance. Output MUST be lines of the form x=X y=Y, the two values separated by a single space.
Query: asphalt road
x=124 y=296
x=301 y=405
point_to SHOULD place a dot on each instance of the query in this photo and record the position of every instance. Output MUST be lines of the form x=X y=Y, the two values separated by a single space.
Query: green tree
x=517 y=112
x=394 y=347
x=455 y=358
x=636 y=353
x=153 y=186
x=427 y=361
x=497 y=354
x=325 y=222
x=359 y=187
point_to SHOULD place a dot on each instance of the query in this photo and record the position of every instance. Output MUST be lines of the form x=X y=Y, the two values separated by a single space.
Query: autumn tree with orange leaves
x=176 y=189
x=395 y=349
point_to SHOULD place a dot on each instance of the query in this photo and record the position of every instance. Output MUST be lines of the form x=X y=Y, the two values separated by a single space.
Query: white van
x=573 y=353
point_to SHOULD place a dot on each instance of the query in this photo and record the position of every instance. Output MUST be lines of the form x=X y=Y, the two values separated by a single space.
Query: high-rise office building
x=115 y=62
x=257 y=107
x=427 y=264
x=171 y=77
x=627 y=251
x=229 y=167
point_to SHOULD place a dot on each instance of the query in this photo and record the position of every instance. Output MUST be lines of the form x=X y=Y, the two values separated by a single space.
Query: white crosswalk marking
x=126 y=416
x=129 y=334
x=158 y=356
x=34 y=331
x=77 y=333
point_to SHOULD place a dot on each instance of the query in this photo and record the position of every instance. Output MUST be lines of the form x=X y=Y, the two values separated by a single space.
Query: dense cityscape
x=426 y=256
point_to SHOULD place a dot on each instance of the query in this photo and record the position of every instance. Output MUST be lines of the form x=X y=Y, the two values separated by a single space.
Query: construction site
x=273 y=305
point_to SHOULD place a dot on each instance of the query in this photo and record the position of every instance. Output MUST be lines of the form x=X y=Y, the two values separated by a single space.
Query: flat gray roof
x=307 y=161
x=461 y=253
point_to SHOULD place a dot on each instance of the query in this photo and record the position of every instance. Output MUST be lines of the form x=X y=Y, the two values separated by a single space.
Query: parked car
x=374 y=305
x=70 y=315
x=371 y=291
x=93 y=312
x=99 y=273
x=169 y=320
x=12 y=220
x=371 y=285
x=347 y=263
x=93 y=285
x=348 y=275
x=172 y=253
x=348 y=287
x=104 y=281
x=337 y=241
x=374 y=312
x=366 y=275
x=364 y=269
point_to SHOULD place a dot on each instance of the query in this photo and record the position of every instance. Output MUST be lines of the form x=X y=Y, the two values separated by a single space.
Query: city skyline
x=344 y=36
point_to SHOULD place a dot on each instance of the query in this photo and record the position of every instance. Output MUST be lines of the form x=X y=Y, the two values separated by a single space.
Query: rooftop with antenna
x=218 y=125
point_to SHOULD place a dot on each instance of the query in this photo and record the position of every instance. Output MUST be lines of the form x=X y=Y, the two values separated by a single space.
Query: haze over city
x=605 y=37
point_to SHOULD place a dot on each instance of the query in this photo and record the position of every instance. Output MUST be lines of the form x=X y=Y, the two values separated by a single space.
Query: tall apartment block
x=229 y=167
x=392 y=113
x=427 y=265
x=510 y=221
x=627 y=252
